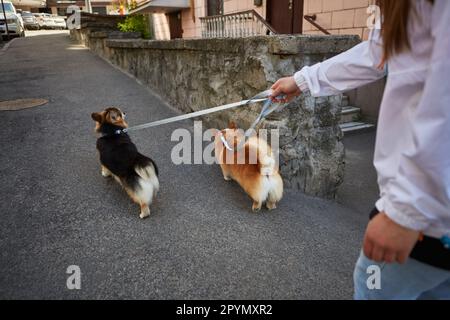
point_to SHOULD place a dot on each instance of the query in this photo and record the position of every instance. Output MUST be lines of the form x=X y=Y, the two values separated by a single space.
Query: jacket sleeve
x=420 y=193
x=348 y=70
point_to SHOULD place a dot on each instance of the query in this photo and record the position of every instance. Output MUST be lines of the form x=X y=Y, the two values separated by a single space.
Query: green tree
x=135 y=23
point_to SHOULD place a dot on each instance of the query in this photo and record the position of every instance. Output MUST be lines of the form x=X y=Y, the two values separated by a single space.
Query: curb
x=6 y=46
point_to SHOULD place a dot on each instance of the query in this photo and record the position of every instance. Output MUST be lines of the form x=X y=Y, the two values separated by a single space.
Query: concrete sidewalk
x=201 y=241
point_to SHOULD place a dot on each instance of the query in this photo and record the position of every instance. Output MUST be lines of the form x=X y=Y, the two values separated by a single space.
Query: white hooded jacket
x=412 y=153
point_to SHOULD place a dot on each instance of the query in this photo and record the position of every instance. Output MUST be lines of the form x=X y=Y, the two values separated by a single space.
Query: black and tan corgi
x=120 y=159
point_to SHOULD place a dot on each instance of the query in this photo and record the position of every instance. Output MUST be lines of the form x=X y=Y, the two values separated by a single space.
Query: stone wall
x=202 y=73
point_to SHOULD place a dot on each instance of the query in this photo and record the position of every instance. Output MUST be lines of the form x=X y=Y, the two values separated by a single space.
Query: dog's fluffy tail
x=274 y=185
x=267 y=165
x=148 y=173
x=272 y=182
x=266 y=161
x=148 y=181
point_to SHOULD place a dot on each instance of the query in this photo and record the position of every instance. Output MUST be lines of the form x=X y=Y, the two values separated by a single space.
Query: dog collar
x=225 y=143
x=115 y=133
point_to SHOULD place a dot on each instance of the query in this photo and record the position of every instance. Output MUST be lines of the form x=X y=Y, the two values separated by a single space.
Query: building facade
x=183 y=18
x=59 y=7
x=338 y=16
x=29 y=5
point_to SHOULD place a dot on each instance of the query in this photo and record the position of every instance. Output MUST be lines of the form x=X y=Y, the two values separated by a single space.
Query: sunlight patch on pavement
x=35 y=33
x=77 y=47
x=19 y=104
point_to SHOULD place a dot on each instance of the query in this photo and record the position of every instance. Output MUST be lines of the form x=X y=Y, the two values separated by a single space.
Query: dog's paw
x=105 y=172
x=226 y=178
x=271 y=205
x=144 y=215
x=145 y=212
x=256 y=207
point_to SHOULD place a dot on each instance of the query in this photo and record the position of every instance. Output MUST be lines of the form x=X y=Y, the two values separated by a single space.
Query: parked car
x=60 y=22
x=48 y=22
x=29 y=21
x=13 y=20
x=39 y=19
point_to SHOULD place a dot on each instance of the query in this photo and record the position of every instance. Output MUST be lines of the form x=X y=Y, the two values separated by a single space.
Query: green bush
x=135 y=23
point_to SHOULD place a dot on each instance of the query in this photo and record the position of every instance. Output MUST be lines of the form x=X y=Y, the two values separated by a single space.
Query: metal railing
x=234 y=25
x=312 y=19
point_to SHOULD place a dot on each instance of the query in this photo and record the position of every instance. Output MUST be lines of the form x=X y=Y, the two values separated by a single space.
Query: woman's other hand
x=387 y=241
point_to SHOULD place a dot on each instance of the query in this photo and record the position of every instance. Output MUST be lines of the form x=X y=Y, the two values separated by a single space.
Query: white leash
x=262 y=96
x=267 y=109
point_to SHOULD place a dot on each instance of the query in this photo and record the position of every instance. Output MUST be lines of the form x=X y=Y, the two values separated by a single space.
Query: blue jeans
x=409 y=281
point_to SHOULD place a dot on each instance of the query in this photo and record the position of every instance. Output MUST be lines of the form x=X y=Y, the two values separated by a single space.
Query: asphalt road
x=201 y=241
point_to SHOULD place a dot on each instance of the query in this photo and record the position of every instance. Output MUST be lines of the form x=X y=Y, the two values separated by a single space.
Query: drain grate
x=19 y=104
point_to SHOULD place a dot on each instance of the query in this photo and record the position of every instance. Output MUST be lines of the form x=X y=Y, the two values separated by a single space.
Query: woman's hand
x=286 y=86
x=387 y=241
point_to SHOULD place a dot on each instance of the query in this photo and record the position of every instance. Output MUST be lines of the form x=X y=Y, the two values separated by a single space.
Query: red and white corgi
x=252 y=166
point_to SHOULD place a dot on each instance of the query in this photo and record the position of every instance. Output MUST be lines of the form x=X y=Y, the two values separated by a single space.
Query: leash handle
x=268 y=107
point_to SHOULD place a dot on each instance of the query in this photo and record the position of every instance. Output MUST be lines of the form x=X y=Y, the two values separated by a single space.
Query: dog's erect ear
x=96 y=116
x=231 y=125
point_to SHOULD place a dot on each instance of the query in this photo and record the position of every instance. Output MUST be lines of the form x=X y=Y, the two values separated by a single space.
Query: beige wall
x=161 y=26
x=192 y=29
x=231 y=6
x=338 y=16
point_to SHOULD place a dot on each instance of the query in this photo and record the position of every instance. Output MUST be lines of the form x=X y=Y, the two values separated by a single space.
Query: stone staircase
x=351 y=122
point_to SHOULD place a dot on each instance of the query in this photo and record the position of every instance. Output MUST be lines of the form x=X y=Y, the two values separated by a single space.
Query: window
x=8 y=7
x=99 y=10
x=61 y=11
x=214 y=7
